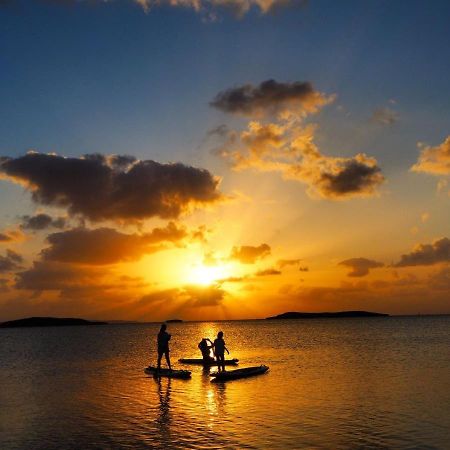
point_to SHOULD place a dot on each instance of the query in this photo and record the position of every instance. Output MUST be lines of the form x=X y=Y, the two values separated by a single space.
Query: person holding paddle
x=219 y=351
x=163 y=346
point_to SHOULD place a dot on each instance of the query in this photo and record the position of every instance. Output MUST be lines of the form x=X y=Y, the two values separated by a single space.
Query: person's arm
x=227 y=350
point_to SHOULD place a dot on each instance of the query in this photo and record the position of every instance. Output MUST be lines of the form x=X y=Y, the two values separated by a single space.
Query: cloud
x=41 y=222
x=53 y=276
x=108 y=246
x=434 y=160
x=427 y=254
x=209 y=8
x=10 y=236
x=10 y=262
x=287 y=146
x=199 y=296
x=343 y=178
x=270 y=97
x=267 y=272
x=360 y=266
x=99 y=187
x=385 y=116
x=282 y=263
x=248 y=254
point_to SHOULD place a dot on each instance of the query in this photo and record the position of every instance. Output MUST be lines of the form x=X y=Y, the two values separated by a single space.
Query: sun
x=206 y=275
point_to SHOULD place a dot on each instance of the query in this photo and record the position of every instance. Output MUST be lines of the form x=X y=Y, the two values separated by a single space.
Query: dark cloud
x=107 y=245
x=352 y=177
x=248 y=254
x=360 y=266
x=385 y=116
x=100 y=187
x=47 y=275
x=282 y=263
x=41 y=222
x=10 y=262
x=267 y=272
x=269 y=97
x=427 y=254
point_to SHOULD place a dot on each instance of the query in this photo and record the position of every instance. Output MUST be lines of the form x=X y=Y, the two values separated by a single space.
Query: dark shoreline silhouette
x=174 y=321
x=305 y=315
x=48 y=322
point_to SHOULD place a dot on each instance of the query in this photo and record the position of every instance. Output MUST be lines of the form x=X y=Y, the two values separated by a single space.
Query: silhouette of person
x=205 y=348
x=163 y=346
x=219 y=351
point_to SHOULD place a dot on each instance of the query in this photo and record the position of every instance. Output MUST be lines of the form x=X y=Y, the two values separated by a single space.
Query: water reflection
x=163 y=419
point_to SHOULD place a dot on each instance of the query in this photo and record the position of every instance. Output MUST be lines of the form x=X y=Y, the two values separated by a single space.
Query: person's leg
x=223 y=363
x=159 y=360
x=168 y=360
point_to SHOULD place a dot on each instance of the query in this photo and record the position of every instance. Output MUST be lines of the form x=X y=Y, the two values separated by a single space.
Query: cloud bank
x=99 y=187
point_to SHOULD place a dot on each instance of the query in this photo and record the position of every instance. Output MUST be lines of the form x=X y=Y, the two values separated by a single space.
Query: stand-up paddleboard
x=211 y=362
x=150 y=370
x=238 y=373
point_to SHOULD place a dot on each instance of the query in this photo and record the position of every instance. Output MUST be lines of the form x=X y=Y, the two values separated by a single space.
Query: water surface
x=333 y=383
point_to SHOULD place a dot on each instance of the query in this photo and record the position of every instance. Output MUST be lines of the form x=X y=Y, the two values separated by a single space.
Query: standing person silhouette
x=219 y=351
x=163 y=345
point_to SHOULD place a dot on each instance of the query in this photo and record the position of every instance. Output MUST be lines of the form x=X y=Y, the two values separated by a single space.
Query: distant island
x=318 y=315
x=174 y=321
x=47 y=322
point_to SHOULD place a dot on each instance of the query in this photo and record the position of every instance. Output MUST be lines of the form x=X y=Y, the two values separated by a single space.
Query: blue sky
x=108 y=77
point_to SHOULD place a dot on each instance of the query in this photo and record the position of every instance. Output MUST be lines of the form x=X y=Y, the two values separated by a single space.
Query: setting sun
x=206 y=275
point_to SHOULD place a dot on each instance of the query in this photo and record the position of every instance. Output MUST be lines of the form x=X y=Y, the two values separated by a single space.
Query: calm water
x=337 y=384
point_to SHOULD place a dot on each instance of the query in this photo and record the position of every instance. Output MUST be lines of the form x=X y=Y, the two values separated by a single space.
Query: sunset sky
x=223 y=159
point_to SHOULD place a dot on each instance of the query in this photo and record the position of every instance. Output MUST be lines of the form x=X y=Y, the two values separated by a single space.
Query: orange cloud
x=434 y=160
x=287 y=145
x=248 y=254
x=108 y=246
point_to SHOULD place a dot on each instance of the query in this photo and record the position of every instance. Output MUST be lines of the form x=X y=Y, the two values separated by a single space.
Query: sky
x=223 y=159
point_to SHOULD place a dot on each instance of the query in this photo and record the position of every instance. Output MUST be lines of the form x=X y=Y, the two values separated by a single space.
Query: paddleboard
x=211 y=362
x=150 y=370
x=238 y=373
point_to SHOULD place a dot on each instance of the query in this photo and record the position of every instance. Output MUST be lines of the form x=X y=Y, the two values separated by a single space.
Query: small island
x=174 y=321
x=47 y=322
x=318 y=315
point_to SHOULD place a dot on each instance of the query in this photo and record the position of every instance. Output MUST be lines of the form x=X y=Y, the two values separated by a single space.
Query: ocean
x=381 y=383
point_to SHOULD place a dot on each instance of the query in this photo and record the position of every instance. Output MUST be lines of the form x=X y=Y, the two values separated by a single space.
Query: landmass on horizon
x=317 y=315
x=48 y=322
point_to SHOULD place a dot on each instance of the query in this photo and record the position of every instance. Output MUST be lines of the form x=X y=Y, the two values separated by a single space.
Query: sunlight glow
x=206 y=275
